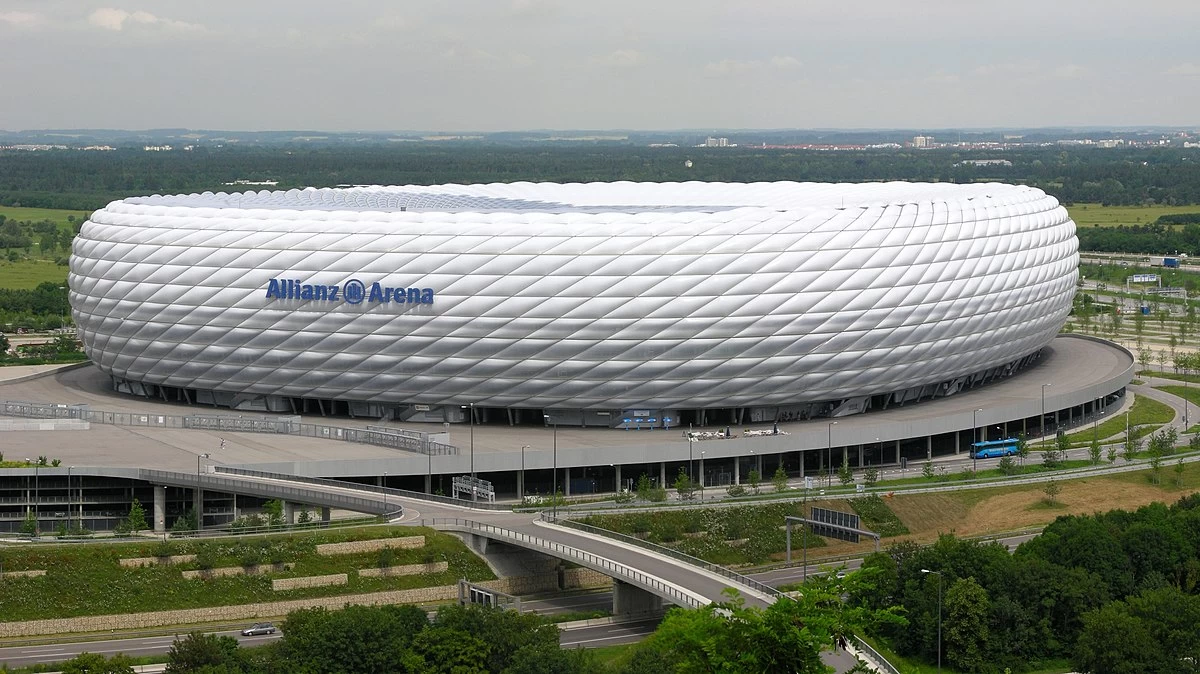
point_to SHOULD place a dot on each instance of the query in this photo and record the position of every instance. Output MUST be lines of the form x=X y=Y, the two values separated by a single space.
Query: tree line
x=89 y=180
x=1108 y=592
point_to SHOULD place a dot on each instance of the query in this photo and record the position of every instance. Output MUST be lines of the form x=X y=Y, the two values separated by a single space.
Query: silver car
x=258 y=628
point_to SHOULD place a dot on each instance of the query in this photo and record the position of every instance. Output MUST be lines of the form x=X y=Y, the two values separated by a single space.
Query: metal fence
x=403 y=493
x=667 y=552
x=873 y=657
x=406 y=440
x=606 y=566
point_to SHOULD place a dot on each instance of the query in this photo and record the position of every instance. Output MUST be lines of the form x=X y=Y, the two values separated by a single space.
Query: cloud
x=1006 y=69
x=621 y=58
x=21 y=19
x=111 y=18
x=1184 y=70
x=1069 y=70
x=727 y=67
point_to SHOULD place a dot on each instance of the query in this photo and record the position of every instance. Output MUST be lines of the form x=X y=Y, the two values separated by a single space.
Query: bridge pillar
x=289 y=512
x=631 y=600
x=160 y=509
x=325 y=514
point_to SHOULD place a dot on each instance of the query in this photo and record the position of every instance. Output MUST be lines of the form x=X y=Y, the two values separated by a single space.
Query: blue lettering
x=414 y=295
x=273 y=289
x=306 y=292
x=427 y=296
x=295 y=289
x=333 y=293
x=376 y=294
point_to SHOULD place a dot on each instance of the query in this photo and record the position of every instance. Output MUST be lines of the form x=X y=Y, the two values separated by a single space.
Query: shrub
x=666 y=530
x=736 y=490
x=1007 y=466
x=625 y=496
x=206 y=557
x=162 y=550
x=927 y=470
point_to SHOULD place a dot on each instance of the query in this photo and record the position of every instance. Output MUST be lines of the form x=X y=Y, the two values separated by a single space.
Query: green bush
x=877 y=516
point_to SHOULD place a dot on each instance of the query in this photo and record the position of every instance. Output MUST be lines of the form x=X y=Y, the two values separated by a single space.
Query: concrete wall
x=400 y=543
x=282 y=584
x=404 y=570
x=135 y=562
x=253 y=570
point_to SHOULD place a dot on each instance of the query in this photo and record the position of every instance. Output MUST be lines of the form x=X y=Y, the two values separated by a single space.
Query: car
x=259 y=628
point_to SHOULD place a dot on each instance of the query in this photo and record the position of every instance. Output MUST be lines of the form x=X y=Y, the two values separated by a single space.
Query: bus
x=990 y=449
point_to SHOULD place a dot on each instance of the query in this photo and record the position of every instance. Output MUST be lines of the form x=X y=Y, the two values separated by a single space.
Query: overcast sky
x=597 y=64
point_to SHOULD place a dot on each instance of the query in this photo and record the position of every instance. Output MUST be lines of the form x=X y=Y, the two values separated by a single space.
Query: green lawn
x=38 y=214
x=27 y=274
x=1087 y=215
x=1145 y=412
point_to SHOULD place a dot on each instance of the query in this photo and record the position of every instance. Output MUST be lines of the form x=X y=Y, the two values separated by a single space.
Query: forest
x=77 y=180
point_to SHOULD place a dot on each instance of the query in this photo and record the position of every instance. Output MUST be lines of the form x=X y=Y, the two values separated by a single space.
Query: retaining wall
x=404 y=570
x=399 y=543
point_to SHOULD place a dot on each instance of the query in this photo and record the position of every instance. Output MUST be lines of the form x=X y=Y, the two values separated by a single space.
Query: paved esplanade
x=1079 y=370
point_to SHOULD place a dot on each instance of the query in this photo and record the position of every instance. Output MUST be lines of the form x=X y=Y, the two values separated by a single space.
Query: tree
x=1052 y=489
x=1133 y=445
x=1144 y=354
x=505 y=632
x=966 y=630
x=1114 y=642
x=1179 y=473
x=273 y=510
x=370 y=639
x=755 y=479
x=1022 y=448
x=780 y=479
x=1095 y=451
x=137 y=517
x=870 y=476
x=927 y=470
x=185 y=522
x=1006 y=465
x=443 y=650
x=845 y=475
x=198 y=651
x=684 y=485
x=643 y=487
x=94 y=663
x=29 y=525
x=1111 y=454
x=1156 y=458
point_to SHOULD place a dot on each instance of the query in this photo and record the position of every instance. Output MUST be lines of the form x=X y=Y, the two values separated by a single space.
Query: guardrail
x=391 y=491
x=667 y=552
x=299 y=494
x=609 y=567
x=878 y=661
x=401 y=439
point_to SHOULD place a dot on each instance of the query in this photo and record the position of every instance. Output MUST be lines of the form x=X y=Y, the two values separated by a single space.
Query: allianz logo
x=350 y=292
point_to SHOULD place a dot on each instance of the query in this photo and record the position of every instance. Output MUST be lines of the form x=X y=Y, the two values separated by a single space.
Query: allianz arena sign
x=350 y=292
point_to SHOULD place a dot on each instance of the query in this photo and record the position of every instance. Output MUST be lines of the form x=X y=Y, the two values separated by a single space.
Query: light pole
x=1128 y=440
x=384 y=485
x=69 y=499
x=554 y=470
x=939 y=648
x=974 y=436
x=521 y=495
x=829 y=453
x=691 y=468
x=1042 y=424
x=199 y=495
x=702 y=476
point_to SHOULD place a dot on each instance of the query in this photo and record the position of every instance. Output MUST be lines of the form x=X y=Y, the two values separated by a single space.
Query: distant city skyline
x=495 y=65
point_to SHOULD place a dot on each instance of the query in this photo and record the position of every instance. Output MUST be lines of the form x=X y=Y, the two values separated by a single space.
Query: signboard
x=849 y=520
x=808 y=482
x=1144 y=278
x=353 y=291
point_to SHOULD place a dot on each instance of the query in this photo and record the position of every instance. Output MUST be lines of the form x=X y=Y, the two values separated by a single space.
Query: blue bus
x=990 y=449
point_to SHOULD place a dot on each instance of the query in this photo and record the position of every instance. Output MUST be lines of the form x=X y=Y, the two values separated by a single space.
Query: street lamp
x=974 y=436
x=384 y=485
x=554 y=469
x=939 y=646
x=1042 y=424
x=691 y=468
x=702 y=475
x=829 y=452
x=521 y=495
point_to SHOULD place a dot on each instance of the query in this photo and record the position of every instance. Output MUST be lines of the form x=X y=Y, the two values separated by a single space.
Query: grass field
x=1086 y=215
x=38 y=214
x=28 y=274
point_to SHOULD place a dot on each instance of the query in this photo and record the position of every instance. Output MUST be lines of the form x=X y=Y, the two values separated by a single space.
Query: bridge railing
x=666 y=552
x=359 y=486
x=881 y=663
x=290 y=492
x=607 y=566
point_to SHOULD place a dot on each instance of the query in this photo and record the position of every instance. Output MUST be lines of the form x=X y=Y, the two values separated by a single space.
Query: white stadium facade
x=603 y=304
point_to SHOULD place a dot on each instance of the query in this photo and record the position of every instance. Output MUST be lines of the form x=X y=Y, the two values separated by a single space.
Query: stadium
x=604 y=304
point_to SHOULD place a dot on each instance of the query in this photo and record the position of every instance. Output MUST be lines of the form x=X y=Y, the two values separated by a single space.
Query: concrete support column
x=289 y=512
x=520 y=484
x=160 y=509
x=801 y=464
x=860 y=456
x=845 y=456
x=566 y=481
x=325 y=514
x=617 y=477
x=737 y=470
x=700 y=473
x=632 y=600
x=929 y=446
x=957 y=442
x=428 y=483
x=198 y=507
x=662 y=474
x=897 y=452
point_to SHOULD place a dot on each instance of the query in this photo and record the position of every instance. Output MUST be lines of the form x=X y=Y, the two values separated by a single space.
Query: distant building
x=985 y=162
x=717 y=142
x=922 y=141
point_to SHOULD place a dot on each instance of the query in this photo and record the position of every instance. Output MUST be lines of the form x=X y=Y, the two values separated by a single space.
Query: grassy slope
x=87 y=579
x=28 y=274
